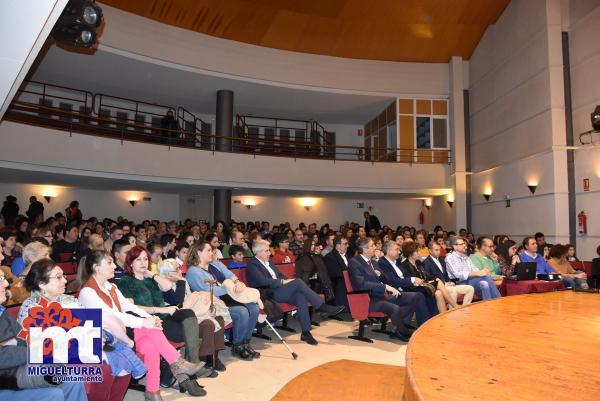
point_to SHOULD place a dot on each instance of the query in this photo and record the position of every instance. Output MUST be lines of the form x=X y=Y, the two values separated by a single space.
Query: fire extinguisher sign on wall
x=582 y=222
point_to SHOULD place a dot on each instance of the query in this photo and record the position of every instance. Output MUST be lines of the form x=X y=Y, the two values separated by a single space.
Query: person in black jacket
x=336 y=262
x=371 y=222
x=309 y=264
x=35 y=213
x=10 y=210
x=263 y=274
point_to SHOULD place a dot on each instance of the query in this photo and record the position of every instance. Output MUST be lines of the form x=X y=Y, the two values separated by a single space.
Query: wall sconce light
x=427 y=203
x=132 y=202
x=48 y=198
x=450 y=203
x=308 y=203
x=532 y=188
x=249 y=204
x=487 y=197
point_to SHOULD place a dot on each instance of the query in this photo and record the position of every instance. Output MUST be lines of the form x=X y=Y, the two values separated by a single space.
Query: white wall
x=517 y=117
x=142 y=38
x=85 y=155
x=98 y=203
x=584 y=32
x=24 y=27
x=334 y=211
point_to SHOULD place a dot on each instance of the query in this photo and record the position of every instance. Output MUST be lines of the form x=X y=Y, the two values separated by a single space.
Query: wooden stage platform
x=526 y=347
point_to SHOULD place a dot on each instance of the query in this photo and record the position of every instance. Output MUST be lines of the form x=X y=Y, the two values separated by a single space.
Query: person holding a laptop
x=530 y=254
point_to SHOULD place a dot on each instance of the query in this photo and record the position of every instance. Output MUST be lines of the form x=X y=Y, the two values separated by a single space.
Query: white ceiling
x=112 y=74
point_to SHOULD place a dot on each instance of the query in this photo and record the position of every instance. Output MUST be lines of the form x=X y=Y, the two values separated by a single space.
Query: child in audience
x=237 y=255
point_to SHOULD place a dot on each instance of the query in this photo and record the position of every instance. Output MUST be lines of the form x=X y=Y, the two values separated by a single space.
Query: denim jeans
x=64 y=392
x=484 y=286
x=244 y=320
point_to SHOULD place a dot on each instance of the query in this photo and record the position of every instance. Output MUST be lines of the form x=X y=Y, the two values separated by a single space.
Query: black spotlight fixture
x=596 y=119
x=77 y=24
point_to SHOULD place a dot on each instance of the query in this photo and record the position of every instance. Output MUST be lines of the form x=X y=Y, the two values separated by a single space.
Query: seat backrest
x=65 y=256
x=347 y=281
x=587 y=267
x=241 y=274
x=227 y=261
x=577 y=265
x=68 y=267
x=288 y=269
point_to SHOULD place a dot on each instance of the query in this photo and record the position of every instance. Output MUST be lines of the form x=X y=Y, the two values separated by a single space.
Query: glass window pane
x=392 y=136
x=440 y=133
x=423 y=133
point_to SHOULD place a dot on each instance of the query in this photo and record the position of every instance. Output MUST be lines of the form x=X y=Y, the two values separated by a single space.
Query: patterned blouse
x=66 y=301
x=506 y=269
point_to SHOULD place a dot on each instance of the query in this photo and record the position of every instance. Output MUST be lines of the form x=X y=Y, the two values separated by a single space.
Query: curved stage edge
x=526 y=347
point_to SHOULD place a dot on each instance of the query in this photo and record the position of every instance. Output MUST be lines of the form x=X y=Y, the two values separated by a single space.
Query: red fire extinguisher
x=582 y=219
x=421 y=218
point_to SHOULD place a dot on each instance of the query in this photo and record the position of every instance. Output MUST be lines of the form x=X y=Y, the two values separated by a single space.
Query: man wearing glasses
x=336 y=262
x=461 y=267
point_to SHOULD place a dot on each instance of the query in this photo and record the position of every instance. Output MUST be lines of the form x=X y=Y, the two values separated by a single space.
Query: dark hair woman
x=150 y=341
x=309 y=263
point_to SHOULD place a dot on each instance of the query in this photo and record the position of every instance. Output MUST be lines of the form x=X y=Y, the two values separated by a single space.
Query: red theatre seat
x=68 y=267
x=359 y=303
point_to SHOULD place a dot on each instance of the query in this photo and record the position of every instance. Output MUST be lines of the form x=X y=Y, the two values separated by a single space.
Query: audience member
x=262 y=273
x=204 y=269
x=120 y=249
x=540 y=239
x=66 y=249
x=461 y=267
x=150 y=341
x=486 y=258
x=237 y=238
x=393 y=276
x=115 y=234
x=311 y=264
x=336 y=263
x=237 y=257
x=297 y=245
x=371 y=222
x=571 y=256
x=10 y=210
x=435 y=266
x=508 y=258
x=530 y=254
x=282 y=254
x=73 y=213
x=558 y=261
x=365 y=277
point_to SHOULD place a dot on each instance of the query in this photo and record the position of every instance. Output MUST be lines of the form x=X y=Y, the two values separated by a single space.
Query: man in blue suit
x=392 y=275
x=365 y=277
x=262 y=273
x=436 y=267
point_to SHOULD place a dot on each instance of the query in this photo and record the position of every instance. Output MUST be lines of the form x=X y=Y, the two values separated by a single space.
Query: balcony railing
x=79 y=111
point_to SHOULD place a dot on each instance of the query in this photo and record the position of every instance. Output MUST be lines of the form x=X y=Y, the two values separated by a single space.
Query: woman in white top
x=150 y=342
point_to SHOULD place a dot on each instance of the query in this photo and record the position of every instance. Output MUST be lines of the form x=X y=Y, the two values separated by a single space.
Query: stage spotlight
x=77 y=24
x=596 y=119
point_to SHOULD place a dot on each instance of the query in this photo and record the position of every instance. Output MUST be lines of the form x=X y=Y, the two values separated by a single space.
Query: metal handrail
x=81 y=122
x=87 y=101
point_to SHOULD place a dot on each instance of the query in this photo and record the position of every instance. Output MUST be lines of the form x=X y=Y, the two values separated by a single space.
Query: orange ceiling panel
x=396 y=30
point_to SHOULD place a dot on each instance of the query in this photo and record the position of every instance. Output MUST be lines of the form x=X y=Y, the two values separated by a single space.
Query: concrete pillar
x=224 y=128
x=222 y=205
x=458 y=179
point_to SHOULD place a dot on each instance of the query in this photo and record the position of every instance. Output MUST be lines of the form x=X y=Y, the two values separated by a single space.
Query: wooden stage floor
x=527 y=347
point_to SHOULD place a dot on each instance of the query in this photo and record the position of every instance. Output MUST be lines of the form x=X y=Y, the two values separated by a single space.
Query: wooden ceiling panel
x=395 y=30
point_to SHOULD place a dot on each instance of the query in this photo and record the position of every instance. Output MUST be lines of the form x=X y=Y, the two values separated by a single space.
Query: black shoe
x=255 y=354
x=307 y=337
x=400 y=336
x=241 y=352
x=219 y=366
x=329 y=310
x=192 y=387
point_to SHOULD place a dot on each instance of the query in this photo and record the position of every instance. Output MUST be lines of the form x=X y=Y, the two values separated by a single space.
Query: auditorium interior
x=400 y=129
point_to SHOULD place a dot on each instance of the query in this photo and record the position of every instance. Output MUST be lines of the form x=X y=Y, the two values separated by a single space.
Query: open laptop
x=524 y=271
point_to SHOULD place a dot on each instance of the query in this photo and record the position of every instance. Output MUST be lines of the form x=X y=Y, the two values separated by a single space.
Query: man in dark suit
x=371 y=222
x=365 y=277
x=336 y=262
x=436 y=267
x=391 y=275
x=262 y=273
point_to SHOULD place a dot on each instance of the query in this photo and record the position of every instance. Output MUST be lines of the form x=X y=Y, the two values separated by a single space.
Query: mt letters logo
x=57 y=335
